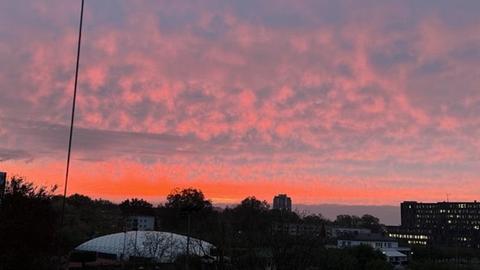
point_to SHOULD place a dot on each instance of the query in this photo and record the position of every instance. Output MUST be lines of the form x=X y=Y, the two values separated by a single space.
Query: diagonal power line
x=73 y=113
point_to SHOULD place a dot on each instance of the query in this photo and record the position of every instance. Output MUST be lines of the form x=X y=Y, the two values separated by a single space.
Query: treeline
x=32 y=236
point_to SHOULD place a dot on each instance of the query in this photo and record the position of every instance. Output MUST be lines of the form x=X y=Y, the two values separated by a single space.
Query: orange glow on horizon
x=118 y=181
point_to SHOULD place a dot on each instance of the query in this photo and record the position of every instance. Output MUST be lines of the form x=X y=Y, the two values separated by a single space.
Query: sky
x=343 y=102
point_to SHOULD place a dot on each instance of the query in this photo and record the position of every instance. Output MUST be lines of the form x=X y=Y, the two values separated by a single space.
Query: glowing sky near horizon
x=357 y=102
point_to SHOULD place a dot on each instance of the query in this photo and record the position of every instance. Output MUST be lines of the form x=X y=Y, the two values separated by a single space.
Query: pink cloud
x=296 y=103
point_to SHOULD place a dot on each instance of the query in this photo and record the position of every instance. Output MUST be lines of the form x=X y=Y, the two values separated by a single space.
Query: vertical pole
x=457 y=244
x=187 y=259
x=73 y=114
x=137 y=255
x=124 y=240
x=222 y=251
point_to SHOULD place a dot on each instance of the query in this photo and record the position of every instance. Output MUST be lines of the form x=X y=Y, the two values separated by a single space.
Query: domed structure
x=162 y=247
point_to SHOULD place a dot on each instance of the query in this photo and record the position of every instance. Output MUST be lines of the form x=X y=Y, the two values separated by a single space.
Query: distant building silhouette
x=282 y=202
x=335 y=232
x=317 y=229
x=297 y=229
x=442 y=224
x=140 y=223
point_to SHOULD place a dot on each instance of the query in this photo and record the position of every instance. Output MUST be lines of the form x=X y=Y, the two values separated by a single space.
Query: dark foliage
x=27 y=228
x=86 y=218
x=136 y=207
x=243 y=234
x=357 y=258
x=366 y=221
x=189 y=200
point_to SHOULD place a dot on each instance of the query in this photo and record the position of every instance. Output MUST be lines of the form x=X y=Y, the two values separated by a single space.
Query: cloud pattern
x=330 y=101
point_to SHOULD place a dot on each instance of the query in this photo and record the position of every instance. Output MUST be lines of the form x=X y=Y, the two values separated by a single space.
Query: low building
x=410 y=236
x=152 y=246
x=335 y=232
x=395 y=254
x=140 y=223
x=298 y=229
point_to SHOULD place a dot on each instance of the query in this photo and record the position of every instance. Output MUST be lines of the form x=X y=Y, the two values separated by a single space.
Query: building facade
x=140 y=223
x=395 y=254
x=442 y=223
x=336 y=232
x=299 y=229
x=282 y=202
x=317 y=230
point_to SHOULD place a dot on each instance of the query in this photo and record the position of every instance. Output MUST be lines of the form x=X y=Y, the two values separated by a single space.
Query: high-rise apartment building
x=282 y=202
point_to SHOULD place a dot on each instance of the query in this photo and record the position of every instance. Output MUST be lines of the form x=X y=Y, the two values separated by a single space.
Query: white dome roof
x=161 y=246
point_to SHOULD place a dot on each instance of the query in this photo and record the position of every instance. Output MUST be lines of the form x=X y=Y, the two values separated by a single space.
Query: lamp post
x=187 y=259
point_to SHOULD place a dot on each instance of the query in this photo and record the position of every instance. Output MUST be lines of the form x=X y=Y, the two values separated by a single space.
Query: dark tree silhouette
x=79 y=200
x=136 y=207
x=315 y=219
x=188 y=199
x=371 y=222
x=347 y=221
x=86 y=218
x=254 y=204
x=28 y=226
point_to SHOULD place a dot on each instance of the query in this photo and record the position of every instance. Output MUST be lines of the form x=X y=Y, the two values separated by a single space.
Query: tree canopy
x=189 y=200
x=245 y=233
x=136 y=207
x=254 y=204
x=27 y=216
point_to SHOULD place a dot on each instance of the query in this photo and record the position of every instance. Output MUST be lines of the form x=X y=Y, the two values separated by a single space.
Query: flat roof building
x=441 y=223
x=395 y=254
x=282 y=202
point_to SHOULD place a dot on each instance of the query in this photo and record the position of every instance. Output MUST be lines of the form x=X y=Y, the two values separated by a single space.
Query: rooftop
x=370 y=237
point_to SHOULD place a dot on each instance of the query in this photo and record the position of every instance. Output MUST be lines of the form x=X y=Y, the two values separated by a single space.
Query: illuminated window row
x=408 y=236
x=424 y=243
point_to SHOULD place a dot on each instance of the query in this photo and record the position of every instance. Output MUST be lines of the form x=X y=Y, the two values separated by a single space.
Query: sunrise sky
x=353 y=102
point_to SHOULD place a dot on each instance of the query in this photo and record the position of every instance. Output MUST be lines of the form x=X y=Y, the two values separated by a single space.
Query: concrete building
x=282 y=202
x=396 y=255
x=140 y=223
x=441 y=224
